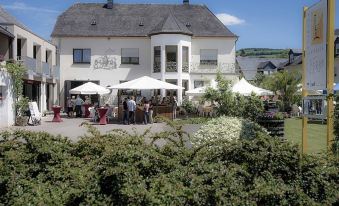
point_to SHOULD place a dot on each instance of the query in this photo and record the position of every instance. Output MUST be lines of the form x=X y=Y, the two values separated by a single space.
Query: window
x=157 y=59
x=130 y=56
x=209 y=56
x=82 y=56
x=198 y=83
x=337 y=49
x=185 y=59
x=34 y=51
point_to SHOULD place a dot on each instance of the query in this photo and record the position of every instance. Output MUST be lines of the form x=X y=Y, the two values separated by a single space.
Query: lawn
x=316 y=134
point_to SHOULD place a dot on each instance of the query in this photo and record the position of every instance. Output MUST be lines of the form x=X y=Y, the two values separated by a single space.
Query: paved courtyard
x=72 y=128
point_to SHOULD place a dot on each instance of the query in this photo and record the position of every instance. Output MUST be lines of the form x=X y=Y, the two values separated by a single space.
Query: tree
x=259 y=78
x=286 y=85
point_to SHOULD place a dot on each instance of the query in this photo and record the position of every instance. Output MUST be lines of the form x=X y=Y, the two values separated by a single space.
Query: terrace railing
x=225 y=68
x=171 y=67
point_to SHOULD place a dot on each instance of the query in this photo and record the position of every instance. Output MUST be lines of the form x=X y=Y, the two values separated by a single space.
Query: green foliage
x=286 y=84
x=119 y=168
x=263 y=52
x=335 y=146
x=229 y=104
x=188 y=106
x=259 y=78
x=17 y=72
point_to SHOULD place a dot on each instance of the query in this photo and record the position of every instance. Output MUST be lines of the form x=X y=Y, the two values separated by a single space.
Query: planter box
x=274 y=127
x=21 y=121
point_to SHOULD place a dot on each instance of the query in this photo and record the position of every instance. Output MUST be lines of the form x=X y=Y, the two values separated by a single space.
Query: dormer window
x=141 y=23
x=94 y=22
x=337 y=48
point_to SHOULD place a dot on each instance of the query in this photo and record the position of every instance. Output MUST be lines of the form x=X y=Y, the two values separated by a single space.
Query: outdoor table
x=56 y=110
x=87 y=113
x=102 y=114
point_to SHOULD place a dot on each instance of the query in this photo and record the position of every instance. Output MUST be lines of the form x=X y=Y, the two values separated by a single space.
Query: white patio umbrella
x=246 y=89
x=145 y=83
x=200 y=91
x=89 y=88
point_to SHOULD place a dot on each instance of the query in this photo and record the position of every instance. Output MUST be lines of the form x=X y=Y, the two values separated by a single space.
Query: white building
x=111 y=43
x=18 y=43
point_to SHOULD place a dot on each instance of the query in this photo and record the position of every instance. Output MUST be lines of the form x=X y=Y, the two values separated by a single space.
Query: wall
x=99 y=48
x=226 y=54
x=6 y=104
x=32 y=39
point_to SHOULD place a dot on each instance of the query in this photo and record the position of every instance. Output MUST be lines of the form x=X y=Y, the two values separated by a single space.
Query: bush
x=229 y=104
x=119 y=168
x=226 y=129
x=188 y=106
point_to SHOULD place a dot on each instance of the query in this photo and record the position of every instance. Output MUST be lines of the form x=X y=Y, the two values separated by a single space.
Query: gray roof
x=264 y=64
x=170 y=25
x=125 y=19
x=249 y=65
x=336 y=32
x=4 y=31
x=7 y=19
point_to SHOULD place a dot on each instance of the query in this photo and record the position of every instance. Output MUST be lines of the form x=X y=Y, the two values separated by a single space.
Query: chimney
x=109 y=4
x=186 y=2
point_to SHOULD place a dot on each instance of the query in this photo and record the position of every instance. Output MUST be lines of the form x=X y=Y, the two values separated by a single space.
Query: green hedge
x=122 y=169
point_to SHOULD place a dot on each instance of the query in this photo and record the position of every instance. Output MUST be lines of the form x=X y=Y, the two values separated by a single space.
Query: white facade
x=6 y=100
x=111 y=47
x=38 y=56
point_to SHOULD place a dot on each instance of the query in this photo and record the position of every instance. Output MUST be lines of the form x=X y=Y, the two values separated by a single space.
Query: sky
x=258 y=23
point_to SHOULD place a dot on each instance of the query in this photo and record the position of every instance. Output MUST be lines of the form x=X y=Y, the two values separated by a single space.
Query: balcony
x=171 y=67
x=36 y=67
x=225 y=68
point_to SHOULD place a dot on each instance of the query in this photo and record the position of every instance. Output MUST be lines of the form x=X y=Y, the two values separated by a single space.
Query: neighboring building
x=19 y=43
x=112 y=43
x=249 y=67
x=294 y=62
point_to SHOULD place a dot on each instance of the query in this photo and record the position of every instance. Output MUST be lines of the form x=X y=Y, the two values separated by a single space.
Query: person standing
x=131 y=110
x=174 y=108
x=69 y=107
x=78 y=103
x=146 y=112
x=125 y=112
x=150 y=112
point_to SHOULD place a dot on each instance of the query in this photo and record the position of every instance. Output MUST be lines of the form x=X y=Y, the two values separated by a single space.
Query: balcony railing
x=185 y=67
x=226 y=68
x=156 y=67
x=56 y=72
x=171 y=67
x=46 y=69
x=29 y=63
x=34 y=66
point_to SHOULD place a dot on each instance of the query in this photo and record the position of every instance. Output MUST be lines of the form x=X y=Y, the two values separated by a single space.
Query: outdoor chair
x=35 y=115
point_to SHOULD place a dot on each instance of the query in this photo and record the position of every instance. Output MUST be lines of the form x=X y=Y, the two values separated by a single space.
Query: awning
x=145 y=83
x=89 y=88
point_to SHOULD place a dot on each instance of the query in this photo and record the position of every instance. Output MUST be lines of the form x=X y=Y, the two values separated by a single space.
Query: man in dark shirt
x=125 y=114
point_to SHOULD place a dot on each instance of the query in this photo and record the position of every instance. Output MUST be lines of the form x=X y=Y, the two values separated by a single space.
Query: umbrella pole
x=119 y=105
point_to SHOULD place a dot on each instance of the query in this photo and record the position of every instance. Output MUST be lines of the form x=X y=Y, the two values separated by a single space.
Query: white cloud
x=24 y=7
x=229 y=20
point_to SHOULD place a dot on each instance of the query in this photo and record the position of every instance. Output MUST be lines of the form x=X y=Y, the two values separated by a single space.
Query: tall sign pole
x=304 y=89
x=330 y=70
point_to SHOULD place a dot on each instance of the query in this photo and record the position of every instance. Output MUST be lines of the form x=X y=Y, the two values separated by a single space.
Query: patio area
x=72 y=128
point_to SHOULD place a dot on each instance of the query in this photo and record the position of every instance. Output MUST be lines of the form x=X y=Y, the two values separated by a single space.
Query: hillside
x=263 y=52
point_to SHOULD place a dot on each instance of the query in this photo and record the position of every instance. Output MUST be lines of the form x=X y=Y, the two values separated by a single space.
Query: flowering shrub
x=226 y=129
